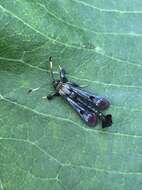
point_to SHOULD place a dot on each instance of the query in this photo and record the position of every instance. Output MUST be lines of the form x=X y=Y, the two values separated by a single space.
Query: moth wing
x=101 y=102
x=97 y=101
x=88 y=116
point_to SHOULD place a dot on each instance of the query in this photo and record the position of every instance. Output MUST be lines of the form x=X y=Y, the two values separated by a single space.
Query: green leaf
x=45 y=145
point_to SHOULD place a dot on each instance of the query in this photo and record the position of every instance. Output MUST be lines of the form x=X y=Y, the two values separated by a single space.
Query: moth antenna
x=51 y=68
x=60 y=67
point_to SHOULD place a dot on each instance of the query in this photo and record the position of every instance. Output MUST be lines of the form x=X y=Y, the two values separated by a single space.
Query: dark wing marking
x=94 y=101
x=87 y=115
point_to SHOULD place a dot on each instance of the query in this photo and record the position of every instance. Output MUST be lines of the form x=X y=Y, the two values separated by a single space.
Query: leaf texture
x=44 y=145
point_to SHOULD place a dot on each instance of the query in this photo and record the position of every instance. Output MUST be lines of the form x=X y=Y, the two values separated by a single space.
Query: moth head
x=56 y=83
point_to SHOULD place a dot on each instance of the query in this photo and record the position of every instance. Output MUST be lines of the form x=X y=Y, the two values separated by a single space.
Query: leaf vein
x=107 y=10
x=74 y=77
x=33 y=144
x=70 y=164
x=62 y=43
x=67 y=120
x=132 y=34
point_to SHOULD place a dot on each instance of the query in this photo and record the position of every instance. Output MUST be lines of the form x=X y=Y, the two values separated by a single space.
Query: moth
x=86 y=104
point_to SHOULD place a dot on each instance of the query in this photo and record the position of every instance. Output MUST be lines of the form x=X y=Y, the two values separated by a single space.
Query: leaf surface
x=45 y=145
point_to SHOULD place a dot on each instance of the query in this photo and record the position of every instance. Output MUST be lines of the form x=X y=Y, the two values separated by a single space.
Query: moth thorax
x=59 y=86
x=64 y=90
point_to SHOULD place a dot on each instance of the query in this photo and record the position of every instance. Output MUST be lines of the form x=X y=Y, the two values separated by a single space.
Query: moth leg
x=63 y=75
x=32 y=90
x=51 y=96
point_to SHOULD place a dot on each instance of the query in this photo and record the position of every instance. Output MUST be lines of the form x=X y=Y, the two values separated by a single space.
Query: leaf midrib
x=66 y=120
